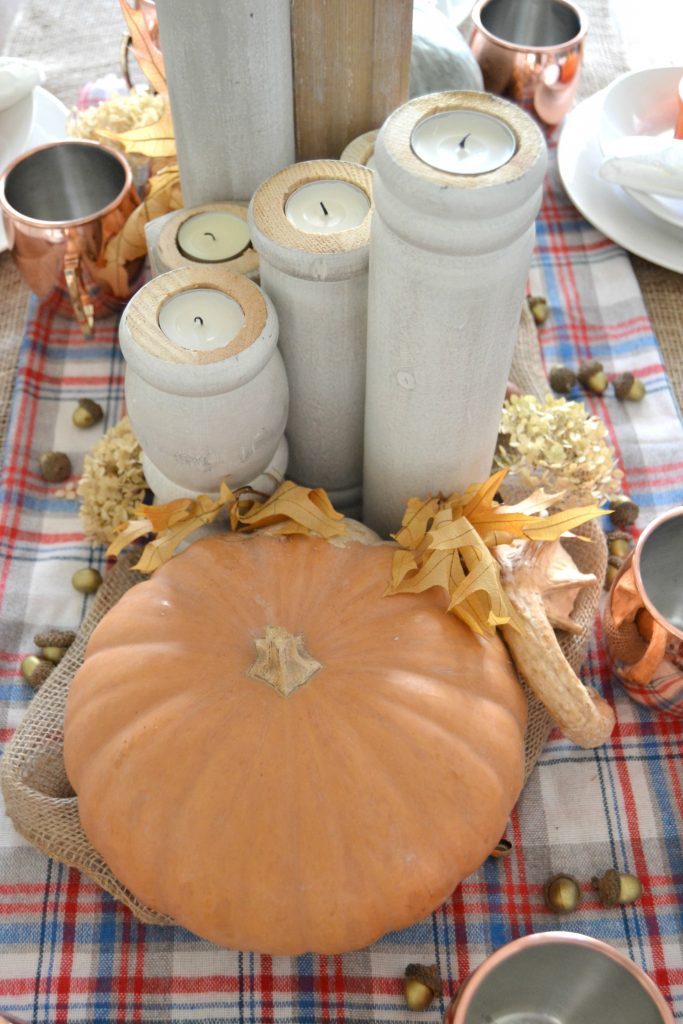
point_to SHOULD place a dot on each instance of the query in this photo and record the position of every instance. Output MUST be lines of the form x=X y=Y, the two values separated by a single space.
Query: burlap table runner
x=38 y=797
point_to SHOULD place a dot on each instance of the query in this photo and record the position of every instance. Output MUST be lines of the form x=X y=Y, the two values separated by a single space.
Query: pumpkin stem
x=282 y=660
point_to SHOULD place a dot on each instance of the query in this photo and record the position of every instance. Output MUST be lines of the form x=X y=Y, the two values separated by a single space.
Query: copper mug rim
x=469 y=990
x=525 y=47
x=673 y=513
x=76 y=222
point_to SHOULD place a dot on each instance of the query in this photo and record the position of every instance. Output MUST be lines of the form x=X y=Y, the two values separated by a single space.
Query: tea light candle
x=215 y=233
x=201 y=318
x=463 y=142
x=314 y=266
x=450 y=254
x=213 y=237
x=206 y=389
x=326 y=206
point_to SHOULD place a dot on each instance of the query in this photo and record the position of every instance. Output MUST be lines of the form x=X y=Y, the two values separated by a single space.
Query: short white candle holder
x=310 y=224
x=218 y=235
x=361 y=149
x=450 y=254
x=206 y=389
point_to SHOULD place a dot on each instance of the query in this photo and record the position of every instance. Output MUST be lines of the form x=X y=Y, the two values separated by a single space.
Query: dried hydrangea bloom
x=112 y=484
x=556 y=444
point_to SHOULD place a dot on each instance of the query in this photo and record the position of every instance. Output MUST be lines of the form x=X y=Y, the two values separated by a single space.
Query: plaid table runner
x=69 y=953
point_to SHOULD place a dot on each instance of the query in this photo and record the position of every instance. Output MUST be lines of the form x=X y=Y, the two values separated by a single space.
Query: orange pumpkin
x=305 y=787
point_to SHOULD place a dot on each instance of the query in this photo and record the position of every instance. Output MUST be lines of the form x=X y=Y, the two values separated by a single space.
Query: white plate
x=607 y=206
x=48 y=124
x=643 y=103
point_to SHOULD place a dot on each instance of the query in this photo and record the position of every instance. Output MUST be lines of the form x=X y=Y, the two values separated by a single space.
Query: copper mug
x=558 y=978
x=530 y=51
x=644 y=616
x=60 y=205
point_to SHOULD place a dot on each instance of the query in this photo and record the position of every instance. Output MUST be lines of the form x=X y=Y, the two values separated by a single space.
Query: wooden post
x=351 y=69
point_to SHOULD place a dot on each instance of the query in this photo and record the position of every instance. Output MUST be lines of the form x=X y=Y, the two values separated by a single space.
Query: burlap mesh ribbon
x=38 y=797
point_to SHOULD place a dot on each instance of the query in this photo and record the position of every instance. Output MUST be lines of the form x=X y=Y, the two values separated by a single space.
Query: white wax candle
x=463 y=142
x=201 y=318
x=213 y=237
x=322 y=207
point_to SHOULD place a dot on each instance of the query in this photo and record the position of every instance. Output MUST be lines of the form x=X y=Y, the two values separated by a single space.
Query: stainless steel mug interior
x=531 y=23
x=659 y=564
x=561 y=978
x=66 y=183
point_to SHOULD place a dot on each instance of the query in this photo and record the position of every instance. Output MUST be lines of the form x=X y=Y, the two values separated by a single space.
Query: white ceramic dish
x=607 y=206
x=47 y=124
x=643 y=103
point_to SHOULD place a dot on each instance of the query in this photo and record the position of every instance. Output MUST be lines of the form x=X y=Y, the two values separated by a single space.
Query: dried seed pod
x=562 y=894
x=592 y=376
x=562 y=379
x=617 y=888
x=55 y=638
x=624 y=511
x=628 y=388
x=420 y=984
x=87 y=413
x=55 y=467
x=539 y=308
x=86 y=581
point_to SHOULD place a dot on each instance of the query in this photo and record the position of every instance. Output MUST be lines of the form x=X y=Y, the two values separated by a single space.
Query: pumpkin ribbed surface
x=315 y=821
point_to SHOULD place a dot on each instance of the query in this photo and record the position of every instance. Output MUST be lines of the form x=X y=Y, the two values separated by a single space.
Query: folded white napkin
x=17 y=79
x=646 y=163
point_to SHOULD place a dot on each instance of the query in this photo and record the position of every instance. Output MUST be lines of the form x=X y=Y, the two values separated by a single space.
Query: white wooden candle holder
x=164 y=241
x=229 y=71
x=449 y=259
x=318 y=283
x=203 y=411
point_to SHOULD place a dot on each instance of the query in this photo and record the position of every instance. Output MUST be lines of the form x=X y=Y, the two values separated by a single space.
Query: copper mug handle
x=82 y=306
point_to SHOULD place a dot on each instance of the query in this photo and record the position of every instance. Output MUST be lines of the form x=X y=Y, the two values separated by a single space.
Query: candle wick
x=324 y=208
x=463 y=140
x=211 y=234
x=199 y=320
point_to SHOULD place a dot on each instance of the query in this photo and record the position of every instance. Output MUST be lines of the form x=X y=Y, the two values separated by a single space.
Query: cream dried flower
x=118 y=114
x=112 y=483
x=555 y=444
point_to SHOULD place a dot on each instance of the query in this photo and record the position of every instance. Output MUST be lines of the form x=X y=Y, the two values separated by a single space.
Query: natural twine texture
x=38 y=797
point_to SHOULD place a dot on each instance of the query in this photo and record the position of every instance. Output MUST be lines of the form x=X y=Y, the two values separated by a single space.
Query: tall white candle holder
x=214 y=233
x=361 y=149
x=457 y=185
x=206 y=389
x=310 y=225
x=229 y=71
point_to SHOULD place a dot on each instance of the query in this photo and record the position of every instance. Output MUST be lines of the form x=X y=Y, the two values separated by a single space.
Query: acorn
x=503 y=849
x=624 y=511
x=30 y=665
x=55 y=467
x=619 y=543
x=55 y=638
x=420 y=984
x=86 y=581
x=41 y=673
x=562 y=894
x=539 y=308
x=87 y=413
x=562 y=379
x=617 y=888
x=54 y=654
x=628 y=388
x=593 y=377
x=614 y=564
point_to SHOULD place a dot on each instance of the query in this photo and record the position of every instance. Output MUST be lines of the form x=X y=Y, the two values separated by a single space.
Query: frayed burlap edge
x=38 y=797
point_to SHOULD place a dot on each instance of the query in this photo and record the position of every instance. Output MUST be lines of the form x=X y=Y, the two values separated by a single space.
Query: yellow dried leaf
x=553 y=526
x=147 y=52
x=153 y=140
x=416 y=521
x=484 y=494
x=309 y=507
x=126 y=533
x=403 y=563
x=164 y=546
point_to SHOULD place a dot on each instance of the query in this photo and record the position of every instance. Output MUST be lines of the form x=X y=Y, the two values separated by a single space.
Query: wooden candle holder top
x=361 y=149
x=171 y=257
x=399 y=127
x=142 y=314
x=268 y=207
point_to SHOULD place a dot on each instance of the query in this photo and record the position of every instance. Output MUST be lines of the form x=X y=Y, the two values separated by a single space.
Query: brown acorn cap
x=55 y=638
x=623 y=384
x=562 y=379
x=428 y=974
x=587 y=369
x=40 y=674
x=608 y=887
x=624 y=511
